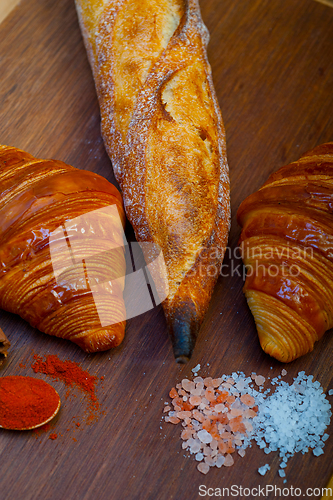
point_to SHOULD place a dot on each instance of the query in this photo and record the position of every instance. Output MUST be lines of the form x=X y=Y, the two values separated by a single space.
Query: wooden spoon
x=26 y=403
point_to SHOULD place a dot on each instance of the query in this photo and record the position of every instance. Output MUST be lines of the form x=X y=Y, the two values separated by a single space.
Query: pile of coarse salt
x=294 y=418
x=222 y=415
x=217 y=416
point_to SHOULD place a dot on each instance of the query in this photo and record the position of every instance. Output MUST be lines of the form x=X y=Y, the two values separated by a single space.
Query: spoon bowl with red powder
x=26 y=403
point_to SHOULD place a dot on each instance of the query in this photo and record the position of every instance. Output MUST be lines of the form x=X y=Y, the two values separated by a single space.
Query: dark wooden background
x=272 y=63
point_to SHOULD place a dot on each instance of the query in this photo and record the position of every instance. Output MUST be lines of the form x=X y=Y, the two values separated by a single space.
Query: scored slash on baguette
x=163 y=131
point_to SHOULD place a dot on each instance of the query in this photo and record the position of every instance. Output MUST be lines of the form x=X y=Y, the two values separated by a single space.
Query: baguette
x=164 y=134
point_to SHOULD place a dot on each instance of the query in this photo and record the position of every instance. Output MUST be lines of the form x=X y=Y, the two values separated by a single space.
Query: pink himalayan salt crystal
x=208 y=381
x=209 y=395
x=186 y=434
x=220 y=461
x=207 y=451
x=167 y=408
x=188 y=385
x=183 y=414
x=172 y=420
x=198 y=380
x=235 y=412
x=198 y=416
x=204 y=436
x=219 y=408
x=195 y=448
x=248 y=426
x=241 y=452
x=259 y=380
x=203 y=467
x=197 y=391
x=247 y=400
x=228 y=461
x=175 y=402
x=230 y=381
x=173 y=393
x=195 y=400
x=216 y=382
x=214 y=444
x=210 y=461
x=249 y=413
x=226 y=435
x=284 y=372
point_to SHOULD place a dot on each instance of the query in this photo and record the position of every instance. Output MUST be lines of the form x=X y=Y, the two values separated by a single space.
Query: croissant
x=4 y=345
x=286 y=243
x=61 y=250
x=163 y=131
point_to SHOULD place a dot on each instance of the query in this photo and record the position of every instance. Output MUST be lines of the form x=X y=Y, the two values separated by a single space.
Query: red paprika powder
x=69 y=372
x=26 y=402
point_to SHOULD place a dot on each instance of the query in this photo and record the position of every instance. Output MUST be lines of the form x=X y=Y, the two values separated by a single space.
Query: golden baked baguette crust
x=163 y=131
x=52 y=260
x=287 y=244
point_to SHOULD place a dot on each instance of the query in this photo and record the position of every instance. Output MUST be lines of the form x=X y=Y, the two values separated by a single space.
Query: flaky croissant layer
x=57 y=225
x=287 y=247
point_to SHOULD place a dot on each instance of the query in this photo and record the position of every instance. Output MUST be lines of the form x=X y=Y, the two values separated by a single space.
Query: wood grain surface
x=6 y=6
x=272 y=63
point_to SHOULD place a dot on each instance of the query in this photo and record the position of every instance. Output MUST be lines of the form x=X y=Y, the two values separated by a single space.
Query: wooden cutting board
x=272 y=63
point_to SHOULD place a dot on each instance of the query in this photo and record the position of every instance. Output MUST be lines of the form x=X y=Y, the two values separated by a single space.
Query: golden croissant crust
x=48 y=268
x=287 y=247
x=163 y=130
